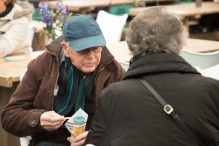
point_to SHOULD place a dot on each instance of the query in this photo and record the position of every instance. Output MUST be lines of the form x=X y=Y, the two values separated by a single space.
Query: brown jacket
x=34 y=95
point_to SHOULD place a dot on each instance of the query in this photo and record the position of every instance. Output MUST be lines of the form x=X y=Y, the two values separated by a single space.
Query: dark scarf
x=7 y=11
x=72 y=97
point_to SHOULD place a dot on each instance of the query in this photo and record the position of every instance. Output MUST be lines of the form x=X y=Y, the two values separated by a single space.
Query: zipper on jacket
x=55 y=86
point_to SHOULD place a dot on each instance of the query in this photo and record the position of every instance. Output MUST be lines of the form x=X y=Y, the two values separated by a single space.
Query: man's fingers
x=51 y=120
x=81 y=136
x=78 y=143
x=68 y=139
x=52 y=124
x=52 y=117
x=57 y=119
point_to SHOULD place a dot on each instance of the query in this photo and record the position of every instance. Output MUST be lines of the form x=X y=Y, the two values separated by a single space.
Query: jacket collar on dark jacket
x=55 y=48
x=158 y=63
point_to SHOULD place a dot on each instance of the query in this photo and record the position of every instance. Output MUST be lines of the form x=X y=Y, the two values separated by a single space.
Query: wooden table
x=197 y=45
x=121 y=52
x=185 y=11
x=11 y=71
x=10 y=74
x=82 y=6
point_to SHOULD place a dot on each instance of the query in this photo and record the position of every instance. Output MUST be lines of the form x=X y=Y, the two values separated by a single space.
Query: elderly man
x=155 y=38
x=59 y=82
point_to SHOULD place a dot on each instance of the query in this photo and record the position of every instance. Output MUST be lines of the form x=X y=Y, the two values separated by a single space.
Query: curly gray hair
x=155 y=30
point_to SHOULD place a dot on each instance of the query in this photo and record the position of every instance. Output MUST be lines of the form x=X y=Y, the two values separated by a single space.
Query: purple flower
x=65 y=11
x=58 y=9
x=43 y=6
x=61 y=17
x=60 y=6
x=53 y=18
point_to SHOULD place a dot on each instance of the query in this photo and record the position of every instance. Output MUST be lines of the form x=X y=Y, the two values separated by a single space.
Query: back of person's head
x=10 y=2
x=155 y=30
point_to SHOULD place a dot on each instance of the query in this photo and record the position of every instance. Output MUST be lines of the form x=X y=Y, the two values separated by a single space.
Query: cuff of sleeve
x=34 y=120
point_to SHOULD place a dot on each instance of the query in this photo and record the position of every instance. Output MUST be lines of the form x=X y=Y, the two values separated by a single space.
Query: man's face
x=86 y=60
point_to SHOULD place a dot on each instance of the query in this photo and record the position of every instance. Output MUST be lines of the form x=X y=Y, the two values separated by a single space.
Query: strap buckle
x=168 y=109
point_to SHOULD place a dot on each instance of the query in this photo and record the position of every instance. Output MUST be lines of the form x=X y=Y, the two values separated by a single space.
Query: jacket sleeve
x=99 y=126
x=20 y=117
x=14 y=36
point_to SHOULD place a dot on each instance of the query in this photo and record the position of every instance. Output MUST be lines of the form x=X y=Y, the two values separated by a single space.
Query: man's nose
x=90 y=53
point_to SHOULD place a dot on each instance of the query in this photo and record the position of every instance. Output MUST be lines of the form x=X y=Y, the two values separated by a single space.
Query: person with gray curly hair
x=129 y=115
x=155 y=31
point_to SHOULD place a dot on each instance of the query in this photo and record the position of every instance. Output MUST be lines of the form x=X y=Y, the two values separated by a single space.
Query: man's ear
x=65 y=49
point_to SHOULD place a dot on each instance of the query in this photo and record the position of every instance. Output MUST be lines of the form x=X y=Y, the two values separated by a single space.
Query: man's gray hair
x=155 y=30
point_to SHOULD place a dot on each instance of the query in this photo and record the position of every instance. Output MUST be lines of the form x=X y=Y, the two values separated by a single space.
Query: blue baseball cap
x=82 y=32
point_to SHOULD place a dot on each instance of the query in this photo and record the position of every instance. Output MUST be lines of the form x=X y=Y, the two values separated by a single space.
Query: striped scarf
x=72 y=96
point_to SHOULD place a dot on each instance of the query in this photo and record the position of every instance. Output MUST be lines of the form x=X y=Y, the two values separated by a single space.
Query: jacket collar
x=26 y=9
x=106 y=56
x=158 y=63
x=55 y=47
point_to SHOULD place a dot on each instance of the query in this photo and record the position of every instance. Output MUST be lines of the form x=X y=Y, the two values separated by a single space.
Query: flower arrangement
x=54 y=19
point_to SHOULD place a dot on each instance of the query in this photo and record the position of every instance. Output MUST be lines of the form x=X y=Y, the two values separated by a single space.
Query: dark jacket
x=128 y=115
x=34 y=95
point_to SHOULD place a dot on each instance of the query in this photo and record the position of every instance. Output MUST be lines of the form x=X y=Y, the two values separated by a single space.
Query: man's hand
x=79 y=140
x=51 y=120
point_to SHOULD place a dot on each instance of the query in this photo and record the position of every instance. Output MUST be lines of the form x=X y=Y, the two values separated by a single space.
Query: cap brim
x=88 y=42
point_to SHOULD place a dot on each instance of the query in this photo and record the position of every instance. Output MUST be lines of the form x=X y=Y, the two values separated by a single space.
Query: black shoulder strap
x=169 y=110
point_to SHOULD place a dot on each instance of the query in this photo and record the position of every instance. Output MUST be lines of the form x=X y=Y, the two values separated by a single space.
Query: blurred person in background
x=14 y=26
x=129 y=115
